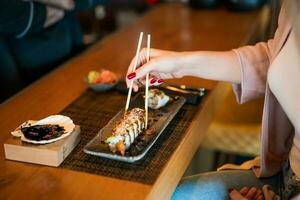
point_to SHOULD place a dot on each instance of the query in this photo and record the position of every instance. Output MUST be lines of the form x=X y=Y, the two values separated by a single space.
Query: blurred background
x=27 y=55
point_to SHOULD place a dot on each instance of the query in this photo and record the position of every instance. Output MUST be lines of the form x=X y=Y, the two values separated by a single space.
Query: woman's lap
x=215 y=185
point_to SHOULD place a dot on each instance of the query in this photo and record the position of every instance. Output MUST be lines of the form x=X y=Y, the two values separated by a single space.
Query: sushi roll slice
x=157 y=99
x=126 y=131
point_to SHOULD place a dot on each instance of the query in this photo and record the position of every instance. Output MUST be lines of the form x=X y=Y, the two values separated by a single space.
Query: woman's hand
x=55 y=10
x=246 y=194
x=266 y=193
x=162 y=65
x=53 y=16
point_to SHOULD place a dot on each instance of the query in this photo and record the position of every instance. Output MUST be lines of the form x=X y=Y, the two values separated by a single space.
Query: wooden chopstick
x=147 y=81
x=134 y=68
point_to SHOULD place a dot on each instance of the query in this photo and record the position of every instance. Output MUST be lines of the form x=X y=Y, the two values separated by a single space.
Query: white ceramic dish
x=158 y=121
x=102 y=87
x=60 y=120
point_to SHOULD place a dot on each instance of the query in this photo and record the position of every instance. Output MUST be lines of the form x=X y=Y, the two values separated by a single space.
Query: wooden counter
x=173 y=27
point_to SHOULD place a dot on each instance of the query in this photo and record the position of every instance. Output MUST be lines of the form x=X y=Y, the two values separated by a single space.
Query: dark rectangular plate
x=158 y=121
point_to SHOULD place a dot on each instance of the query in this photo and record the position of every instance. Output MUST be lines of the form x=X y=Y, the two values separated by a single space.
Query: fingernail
x=152 y=81
x=131 y=75
x=160 y=81
x=230 y=190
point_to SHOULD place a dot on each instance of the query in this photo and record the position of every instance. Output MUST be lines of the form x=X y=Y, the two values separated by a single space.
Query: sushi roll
x=126 y=131
x=157 y=99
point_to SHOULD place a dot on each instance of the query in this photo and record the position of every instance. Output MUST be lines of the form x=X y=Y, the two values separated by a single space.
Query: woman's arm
x=246 y=67
x=284 y=79
x=60 y=4
x=221 y=66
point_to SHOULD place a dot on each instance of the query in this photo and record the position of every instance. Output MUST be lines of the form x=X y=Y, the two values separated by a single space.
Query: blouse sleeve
x=255 y=60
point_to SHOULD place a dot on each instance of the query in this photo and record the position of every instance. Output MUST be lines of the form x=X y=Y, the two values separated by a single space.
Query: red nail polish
x=160 y=81
x=230 y=190
x=131 y=75
x=152 y=81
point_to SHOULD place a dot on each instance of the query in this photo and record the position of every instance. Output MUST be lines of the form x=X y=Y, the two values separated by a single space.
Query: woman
x=269 y=69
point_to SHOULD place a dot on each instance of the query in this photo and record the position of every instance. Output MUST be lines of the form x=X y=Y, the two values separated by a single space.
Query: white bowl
x=102 y=87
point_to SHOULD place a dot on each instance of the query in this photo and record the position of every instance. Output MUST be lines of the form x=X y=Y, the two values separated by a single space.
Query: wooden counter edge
x=175 y=168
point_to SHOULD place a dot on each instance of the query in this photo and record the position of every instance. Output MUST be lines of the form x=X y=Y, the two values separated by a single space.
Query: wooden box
x=52 y=154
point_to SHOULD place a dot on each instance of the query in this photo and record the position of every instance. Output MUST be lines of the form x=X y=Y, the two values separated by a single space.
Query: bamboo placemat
x=93 y=110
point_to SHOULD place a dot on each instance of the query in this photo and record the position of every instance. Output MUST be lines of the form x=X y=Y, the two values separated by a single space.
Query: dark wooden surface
x=173 y=27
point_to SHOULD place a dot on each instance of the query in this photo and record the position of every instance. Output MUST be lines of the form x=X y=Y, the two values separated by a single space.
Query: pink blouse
x=277 y=131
